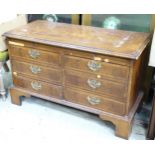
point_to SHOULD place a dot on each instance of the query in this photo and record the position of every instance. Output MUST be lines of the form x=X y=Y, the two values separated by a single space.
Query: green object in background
x=4 y=56
x=50 y=17
x=129 y=22
x=111 y=23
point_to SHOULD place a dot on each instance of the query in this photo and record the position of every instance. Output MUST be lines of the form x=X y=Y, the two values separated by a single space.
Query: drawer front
x=38 y=87
x=89 y=55
x=96 y=84
x=37 y=71
x=50 y=58
x=94 y=101
x=109 y=70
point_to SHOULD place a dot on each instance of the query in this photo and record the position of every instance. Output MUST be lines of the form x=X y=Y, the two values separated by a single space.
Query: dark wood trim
x=151 y=128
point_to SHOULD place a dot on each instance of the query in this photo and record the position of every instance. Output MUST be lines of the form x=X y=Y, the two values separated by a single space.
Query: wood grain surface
x=120 y=43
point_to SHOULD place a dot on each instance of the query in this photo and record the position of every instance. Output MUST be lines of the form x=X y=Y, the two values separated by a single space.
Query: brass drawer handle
x=36 y=85
x=94 y=65
x=97 y=58
x=35 y=69
x=34 y=54
x=15 y=73
x=94 y=83
x=106 y=60
x=93 y=100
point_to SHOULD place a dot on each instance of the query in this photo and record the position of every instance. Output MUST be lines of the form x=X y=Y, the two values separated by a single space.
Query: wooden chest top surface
x=125 y=44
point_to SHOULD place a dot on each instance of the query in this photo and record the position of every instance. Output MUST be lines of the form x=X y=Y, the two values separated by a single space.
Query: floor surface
x=42 y=120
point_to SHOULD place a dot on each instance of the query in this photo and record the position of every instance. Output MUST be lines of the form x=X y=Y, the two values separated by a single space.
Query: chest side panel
x=136 y=78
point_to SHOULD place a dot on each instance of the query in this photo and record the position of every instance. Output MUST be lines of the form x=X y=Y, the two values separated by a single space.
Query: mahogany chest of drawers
x=93 y=69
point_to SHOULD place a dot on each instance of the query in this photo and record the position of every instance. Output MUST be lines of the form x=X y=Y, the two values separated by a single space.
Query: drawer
x=93 y=101
x=36 y=70
x=91 y=55
x=96 y=84
x=39 y=87
x=108 y=70
x=36 y=55
x=33 y=45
